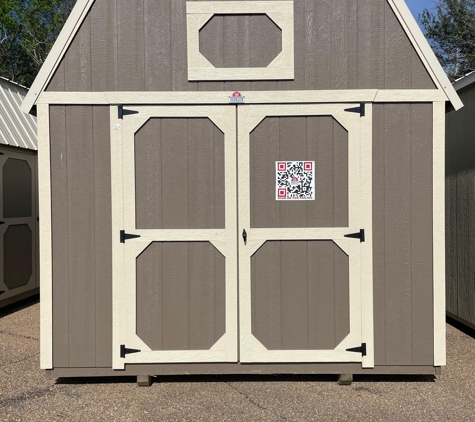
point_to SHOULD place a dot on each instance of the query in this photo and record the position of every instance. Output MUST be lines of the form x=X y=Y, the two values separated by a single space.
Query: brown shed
x=241 y=187
x=18 y=197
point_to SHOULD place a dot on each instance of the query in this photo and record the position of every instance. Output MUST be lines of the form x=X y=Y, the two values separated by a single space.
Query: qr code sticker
x=295 y=180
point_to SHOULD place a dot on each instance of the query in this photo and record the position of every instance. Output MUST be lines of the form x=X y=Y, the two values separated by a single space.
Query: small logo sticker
x=237 y=98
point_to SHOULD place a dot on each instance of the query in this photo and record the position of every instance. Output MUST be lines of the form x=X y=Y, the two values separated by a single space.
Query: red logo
x=282 y=166
x=281 y=193
x=237 y=94
x=308 y=166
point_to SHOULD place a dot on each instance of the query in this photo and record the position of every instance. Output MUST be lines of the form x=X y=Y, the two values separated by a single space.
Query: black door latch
x=244 y=235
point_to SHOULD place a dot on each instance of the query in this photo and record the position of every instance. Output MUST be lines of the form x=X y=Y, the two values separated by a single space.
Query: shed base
x=241 y=369
x=21 y=296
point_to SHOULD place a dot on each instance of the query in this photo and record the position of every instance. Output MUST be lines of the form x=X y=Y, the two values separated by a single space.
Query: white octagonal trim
x=199 y=13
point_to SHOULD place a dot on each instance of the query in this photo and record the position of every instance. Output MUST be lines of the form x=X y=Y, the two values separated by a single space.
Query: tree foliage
x=450 y=30
x=28 y=29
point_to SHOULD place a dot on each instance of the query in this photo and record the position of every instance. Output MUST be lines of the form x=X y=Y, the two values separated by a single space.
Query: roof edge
x=424 y=51
x=74 y=21
x=464 y=81
x=14 y=83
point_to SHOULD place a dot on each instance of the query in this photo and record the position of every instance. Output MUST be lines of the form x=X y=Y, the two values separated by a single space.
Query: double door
x=242 y=234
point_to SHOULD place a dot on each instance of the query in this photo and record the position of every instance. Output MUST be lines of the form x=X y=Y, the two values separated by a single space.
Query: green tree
x=28 y=30
x=450 y=30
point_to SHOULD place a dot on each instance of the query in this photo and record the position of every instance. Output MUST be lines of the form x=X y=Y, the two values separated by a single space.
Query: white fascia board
x=425 y=52
x=57 y=52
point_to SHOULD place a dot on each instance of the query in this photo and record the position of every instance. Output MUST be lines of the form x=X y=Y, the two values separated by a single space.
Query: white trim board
x=252 y=97
x=45 y=244
x=82 y=7
x=439 y=233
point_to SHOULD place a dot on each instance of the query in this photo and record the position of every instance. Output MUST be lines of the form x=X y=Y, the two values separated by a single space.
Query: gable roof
x=16 y=128
x=399 y=7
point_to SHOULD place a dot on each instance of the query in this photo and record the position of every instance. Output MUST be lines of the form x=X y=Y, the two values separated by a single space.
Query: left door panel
x=175 y=280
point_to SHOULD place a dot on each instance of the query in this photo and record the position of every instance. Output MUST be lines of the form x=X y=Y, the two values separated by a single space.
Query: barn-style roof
x=399 y=8
x=16 y=128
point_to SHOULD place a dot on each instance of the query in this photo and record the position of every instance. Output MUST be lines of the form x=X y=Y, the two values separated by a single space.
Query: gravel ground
x=27 y=395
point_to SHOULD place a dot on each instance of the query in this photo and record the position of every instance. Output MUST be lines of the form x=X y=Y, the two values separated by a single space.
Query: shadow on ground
x=18 y=306
x=177 y=379
x=460 y=326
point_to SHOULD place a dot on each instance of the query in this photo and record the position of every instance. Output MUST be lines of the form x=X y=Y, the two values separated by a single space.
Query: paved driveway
x=27 y=395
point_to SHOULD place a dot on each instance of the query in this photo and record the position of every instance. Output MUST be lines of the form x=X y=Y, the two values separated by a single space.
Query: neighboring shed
x=308 y=135
x=460 y=204
x=18 y=197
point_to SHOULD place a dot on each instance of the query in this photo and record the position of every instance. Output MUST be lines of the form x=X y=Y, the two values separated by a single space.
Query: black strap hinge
x=360 y=109
x=361 y=349
x=125 y=236
x=124 y=351
x=358 y=235
x=123 y=112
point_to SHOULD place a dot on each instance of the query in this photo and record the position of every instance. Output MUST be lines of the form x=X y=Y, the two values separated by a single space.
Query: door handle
x=244 y=235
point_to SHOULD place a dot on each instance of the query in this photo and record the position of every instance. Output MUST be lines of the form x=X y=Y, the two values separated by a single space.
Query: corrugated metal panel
x=16 y=128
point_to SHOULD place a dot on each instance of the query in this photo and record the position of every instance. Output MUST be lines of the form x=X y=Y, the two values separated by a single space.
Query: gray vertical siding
x=247 y=37
x=144 y=48
x=300 y=295
x=81 y=223
x=402 y=210
x=460 y=208
x=181 y=296
x=402 y=234
x=179 y=170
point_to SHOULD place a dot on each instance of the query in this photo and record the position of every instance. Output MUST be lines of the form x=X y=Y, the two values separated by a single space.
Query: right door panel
x=300 y=277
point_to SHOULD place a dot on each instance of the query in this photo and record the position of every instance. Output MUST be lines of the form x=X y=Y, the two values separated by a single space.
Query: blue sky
x=417 y=6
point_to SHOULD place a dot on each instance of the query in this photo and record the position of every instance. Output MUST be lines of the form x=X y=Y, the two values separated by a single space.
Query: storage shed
x=460 y=205
x=241 y=187
x=18 y=197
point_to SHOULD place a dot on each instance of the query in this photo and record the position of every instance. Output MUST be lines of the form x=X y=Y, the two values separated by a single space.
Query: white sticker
x=295 y=180
x=237 y=98
x=116 y=127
